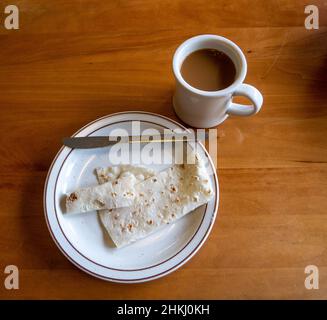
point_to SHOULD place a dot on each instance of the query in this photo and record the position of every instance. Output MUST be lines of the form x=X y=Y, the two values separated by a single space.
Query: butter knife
x=106 y=141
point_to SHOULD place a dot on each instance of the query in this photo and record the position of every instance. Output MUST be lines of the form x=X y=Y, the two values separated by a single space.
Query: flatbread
x=111 y=174
x=114 y=194
x=160 y=199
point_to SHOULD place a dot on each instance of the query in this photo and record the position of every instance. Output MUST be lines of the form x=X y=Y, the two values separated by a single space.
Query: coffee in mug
x=208 y=70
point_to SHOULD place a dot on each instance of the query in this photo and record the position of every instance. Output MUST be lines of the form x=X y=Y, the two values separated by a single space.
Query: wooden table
x=74 y=61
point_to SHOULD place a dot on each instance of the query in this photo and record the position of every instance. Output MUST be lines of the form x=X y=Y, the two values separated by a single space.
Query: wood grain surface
x=73 y=61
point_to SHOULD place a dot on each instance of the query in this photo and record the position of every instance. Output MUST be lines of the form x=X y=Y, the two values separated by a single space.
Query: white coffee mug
x=205 y=109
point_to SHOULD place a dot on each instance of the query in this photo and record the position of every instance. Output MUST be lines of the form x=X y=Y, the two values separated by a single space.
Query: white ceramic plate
x=81 y=238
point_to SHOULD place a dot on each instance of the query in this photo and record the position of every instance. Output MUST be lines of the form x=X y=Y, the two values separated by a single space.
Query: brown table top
x=74 y=61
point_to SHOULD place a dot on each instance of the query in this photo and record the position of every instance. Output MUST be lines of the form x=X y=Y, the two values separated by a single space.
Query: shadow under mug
x=205 y=109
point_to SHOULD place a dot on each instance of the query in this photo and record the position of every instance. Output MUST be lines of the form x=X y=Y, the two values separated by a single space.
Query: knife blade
x=106 y=141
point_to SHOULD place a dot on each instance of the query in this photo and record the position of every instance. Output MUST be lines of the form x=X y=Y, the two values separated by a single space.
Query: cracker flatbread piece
x=112 y=194
x=160 y=199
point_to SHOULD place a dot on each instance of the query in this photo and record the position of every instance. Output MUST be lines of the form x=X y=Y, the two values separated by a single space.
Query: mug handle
x=252 y=94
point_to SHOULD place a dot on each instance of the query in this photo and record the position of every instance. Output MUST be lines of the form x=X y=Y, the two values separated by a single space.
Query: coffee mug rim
x=242 y=72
